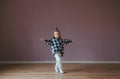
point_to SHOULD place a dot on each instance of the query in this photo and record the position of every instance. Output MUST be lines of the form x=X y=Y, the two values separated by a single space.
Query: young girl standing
x=57 y=45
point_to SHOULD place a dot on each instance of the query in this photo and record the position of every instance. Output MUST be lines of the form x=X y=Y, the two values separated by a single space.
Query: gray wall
x=93 y=25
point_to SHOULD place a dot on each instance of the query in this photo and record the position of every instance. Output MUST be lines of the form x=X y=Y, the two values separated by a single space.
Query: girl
x=57 y=45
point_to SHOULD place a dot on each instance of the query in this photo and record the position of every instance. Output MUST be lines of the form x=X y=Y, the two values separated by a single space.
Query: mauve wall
x=93 y=25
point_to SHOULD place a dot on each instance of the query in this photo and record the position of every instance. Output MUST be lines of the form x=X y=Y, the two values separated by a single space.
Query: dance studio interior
x=93 y=27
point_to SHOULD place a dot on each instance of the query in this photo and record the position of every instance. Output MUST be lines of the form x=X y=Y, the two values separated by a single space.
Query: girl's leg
x=56 y=66
x=58 y=63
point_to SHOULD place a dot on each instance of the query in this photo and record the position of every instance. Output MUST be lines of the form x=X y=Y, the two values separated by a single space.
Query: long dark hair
x=56 y=30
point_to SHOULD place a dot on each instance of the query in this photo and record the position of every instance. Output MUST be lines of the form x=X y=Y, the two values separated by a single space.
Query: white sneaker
x=56 y=69
x=61 y=71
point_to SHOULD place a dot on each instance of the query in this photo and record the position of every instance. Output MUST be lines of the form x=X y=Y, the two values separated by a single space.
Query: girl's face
x=56 y=34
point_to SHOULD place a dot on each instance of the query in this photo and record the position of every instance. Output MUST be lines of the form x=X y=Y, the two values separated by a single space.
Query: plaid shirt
x=57 y=45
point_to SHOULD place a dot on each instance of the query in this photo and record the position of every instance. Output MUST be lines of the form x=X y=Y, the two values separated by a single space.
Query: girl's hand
x=42 y=39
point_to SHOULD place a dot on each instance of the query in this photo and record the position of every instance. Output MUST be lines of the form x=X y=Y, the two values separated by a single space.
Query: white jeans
x=58 y=64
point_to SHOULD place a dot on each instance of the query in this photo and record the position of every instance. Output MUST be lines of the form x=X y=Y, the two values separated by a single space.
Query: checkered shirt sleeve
x=66 y=41
x=48 y=42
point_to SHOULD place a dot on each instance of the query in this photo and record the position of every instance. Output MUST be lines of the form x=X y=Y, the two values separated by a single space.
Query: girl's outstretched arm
x=49 y=42
x=42 y=39
x=66 y=41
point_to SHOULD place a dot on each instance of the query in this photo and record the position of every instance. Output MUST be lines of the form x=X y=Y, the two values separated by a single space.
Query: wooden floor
x=73 y=71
